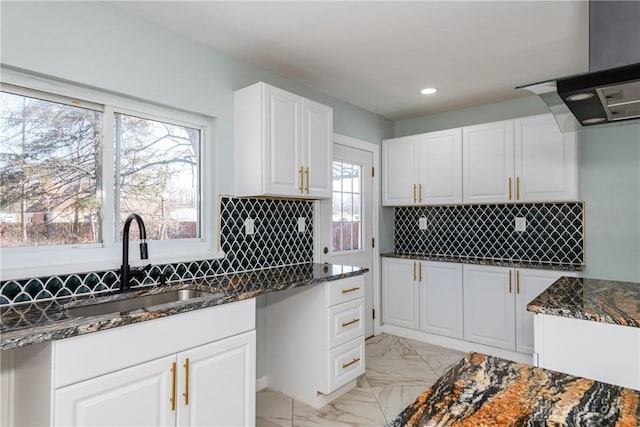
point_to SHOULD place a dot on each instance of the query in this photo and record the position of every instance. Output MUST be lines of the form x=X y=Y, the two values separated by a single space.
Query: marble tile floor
x=397 y=371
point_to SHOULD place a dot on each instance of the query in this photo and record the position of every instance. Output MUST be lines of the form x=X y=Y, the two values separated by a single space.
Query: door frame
x=318 y=256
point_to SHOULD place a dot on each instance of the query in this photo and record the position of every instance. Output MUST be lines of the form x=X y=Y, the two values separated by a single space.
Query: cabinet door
x=441 y=299
x=487 y=154
x=489 y=310
x=546 y=165
x=530 y=284
x=283 y=136
x=440 y=167
x=220 y=382
x=136 y=396
x=317 y=146
x=400 y=292
x=399 y=171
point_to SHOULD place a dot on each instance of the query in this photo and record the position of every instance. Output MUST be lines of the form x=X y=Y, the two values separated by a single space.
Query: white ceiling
x=378 y=55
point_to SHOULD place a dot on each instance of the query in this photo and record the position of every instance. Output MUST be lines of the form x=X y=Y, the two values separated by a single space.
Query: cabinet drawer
x=346 y=363
x=346 y=322
x=344 y=290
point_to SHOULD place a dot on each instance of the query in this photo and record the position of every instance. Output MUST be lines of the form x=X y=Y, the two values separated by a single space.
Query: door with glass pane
x=352 y=216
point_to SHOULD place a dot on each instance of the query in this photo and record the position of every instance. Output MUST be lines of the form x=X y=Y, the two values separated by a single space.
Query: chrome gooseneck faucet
x=125 y=270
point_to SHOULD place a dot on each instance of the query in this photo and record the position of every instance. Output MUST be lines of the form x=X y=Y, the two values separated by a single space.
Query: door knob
x=325 y=250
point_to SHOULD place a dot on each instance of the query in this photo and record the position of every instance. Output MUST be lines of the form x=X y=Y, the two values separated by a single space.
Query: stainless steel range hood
x=602 y=98
x=609 y=95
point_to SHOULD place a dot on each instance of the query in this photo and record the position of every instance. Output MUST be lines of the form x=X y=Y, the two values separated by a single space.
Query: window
x=157 y=176
x=347 y=210
x=50 y=166
x=71 y=171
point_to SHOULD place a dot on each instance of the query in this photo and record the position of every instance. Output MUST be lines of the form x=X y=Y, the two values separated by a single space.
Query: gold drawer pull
x=307 y=173
x=186 y=381
x=173 y=387
x=350 y=322
x=510 y=194
x=346 y=291
x=346 y=365
x=301 y=188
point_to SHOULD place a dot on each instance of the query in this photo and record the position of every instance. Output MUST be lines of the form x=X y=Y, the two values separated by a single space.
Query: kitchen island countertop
x=606 y=301
x=37 y=322
x=483 y=390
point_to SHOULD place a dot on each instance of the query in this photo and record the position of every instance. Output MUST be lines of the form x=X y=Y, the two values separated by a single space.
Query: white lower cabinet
x=495 y=305
x=315 y=340
x=422 y=295
x=191 y=369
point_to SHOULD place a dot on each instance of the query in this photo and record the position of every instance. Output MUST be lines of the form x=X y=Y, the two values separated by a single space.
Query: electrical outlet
x=422 y=223
x=249 y=227
x=302 y=224
x=521 y=224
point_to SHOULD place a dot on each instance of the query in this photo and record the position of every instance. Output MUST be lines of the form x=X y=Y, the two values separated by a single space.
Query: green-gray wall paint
x=609 y=182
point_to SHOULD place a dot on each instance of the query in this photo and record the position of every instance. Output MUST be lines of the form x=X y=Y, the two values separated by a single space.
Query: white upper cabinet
x=488 y=162
x=546 y=165
x=440 y=167
x=317 y=143
x=521 y=160
x=423 y=169
x=283 y=144
x=400 y=171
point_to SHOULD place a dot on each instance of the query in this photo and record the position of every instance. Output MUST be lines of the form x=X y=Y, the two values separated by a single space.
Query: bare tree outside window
x=50 y=169
x=158 y=176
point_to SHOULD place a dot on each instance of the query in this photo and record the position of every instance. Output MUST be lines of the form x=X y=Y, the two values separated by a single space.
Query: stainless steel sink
x=139 y=302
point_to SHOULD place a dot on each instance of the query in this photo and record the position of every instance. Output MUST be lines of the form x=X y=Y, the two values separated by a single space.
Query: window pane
x=50 y=172
x=158 y=176
x=347 y=210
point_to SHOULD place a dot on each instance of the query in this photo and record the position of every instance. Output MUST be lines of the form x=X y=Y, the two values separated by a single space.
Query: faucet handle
x=140 y=270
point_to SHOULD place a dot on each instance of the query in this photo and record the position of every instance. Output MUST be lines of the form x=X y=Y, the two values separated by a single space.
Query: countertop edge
x=485 y=261
x=86 y=325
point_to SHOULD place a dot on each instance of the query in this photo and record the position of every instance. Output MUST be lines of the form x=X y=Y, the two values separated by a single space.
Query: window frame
x=34 y=261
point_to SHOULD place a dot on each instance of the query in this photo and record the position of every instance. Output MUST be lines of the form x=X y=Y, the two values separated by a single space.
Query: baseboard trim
x=261 y=383
x=456 y=344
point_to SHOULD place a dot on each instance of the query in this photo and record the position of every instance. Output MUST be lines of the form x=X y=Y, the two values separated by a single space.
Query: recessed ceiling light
x=579 y=96
x=594 y=120
x=428 y=90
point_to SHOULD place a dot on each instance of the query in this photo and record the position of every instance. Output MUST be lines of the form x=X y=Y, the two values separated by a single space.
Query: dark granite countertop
x=26 y=324
x=483 y=390
x=606 y=301
x=486 y=261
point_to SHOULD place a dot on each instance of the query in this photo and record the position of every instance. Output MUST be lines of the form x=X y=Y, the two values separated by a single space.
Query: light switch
x=302 y=224
x=521 y=224
x=422 y=223
x=248 y=226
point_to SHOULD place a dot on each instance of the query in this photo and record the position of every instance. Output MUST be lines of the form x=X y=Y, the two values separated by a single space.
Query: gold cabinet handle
x=414 y=271
x=517 y=281
x=346 y=365
x=420 y=272
x=517 y=188
x=301 y=188
x=509 y=281
x=186 y=381
x=414 y=193
x=346 y=291
x=173 y=387
x=350 y=322
x=307 y=173
x=510 y=195
x=420 y=193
